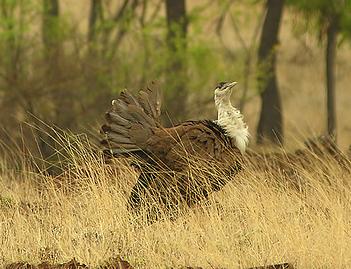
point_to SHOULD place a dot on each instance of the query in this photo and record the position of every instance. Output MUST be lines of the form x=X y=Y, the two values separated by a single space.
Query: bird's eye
x=220 y=85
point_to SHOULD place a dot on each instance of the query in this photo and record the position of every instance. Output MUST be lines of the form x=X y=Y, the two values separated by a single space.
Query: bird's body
x=133 y=128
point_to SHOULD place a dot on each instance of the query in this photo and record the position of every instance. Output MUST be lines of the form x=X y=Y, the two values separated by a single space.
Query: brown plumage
x=133 y=129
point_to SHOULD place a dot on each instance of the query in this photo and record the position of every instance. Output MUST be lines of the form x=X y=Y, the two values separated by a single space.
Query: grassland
x=258 y=218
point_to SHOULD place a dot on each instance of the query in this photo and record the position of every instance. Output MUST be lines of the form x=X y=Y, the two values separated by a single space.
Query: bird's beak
x=231 y=84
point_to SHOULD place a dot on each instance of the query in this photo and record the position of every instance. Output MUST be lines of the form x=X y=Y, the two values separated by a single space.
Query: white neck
x=232 y=121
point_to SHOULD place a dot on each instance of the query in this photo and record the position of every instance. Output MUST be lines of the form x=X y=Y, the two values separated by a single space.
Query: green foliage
x=68 y=80
x=13 y=26
x=324 y=11
x=345 y=21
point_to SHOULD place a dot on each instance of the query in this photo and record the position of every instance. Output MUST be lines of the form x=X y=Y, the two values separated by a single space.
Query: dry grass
x=258 y=218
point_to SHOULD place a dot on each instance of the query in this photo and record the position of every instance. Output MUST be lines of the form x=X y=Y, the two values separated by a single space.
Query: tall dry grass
x=257 y=218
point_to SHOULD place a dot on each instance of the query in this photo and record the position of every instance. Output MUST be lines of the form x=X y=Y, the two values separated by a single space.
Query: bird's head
x=223 y=90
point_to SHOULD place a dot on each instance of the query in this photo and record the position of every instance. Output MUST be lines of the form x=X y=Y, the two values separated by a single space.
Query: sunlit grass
x=257 y=218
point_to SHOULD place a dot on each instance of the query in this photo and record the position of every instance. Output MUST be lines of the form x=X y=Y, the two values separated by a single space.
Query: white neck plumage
x=231 y=120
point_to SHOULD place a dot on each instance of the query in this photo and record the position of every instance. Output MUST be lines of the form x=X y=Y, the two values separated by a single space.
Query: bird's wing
x=205 y=157
x=192 y=140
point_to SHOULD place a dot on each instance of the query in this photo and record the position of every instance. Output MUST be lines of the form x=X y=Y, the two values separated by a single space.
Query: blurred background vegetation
x=62 y=62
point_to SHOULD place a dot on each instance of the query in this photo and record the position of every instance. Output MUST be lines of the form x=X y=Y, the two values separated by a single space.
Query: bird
x=133 y=128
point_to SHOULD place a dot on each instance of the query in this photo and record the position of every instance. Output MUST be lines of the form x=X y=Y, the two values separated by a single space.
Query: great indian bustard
x=133 y=129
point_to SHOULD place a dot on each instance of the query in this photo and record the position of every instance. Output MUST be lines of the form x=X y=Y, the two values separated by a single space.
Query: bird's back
x=202 y=140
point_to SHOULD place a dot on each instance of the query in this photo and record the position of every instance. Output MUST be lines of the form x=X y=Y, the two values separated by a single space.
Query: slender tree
x=95 y=14
x=334 y=18
x=330 y=54
x=270 y=124
x=50 y=29
x=176 y=40
x=53 y=33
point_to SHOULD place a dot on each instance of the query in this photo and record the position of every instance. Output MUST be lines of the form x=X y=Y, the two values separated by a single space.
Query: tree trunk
x=176 y=93
x=62 y=97
x=50 y=29
x=330 y=55
x=95 y=14
x=52 y=57
x=270 y=125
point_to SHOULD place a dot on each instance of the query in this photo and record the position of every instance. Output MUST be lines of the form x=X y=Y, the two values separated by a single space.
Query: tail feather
x=130 y=122
x=120 y=139
x=140 y=116
x=127 y=98
x=113 y=117
x=113 y=149
x=150 y=100
x=113 y=144
x=122 y=109
x=140 y=133
x=119 y=105
x=114 y=128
